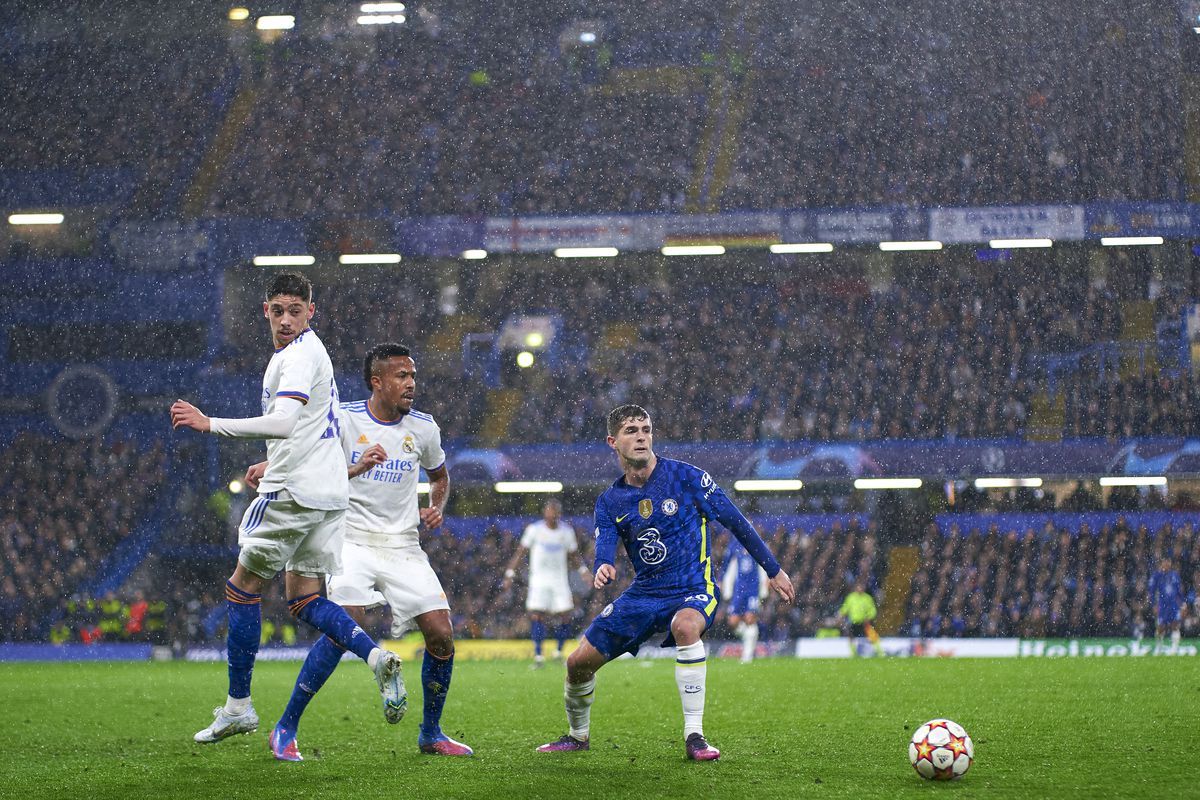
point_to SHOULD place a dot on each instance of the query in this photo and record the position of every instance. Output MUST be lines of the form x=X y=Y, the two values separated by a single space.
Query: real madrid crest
x=669 y=506
x=407 y=445
x=645 y=507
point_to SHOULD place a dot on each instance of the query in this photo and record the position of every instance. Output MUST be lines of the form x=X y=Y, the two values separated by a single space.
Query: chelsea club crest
x=669 y=506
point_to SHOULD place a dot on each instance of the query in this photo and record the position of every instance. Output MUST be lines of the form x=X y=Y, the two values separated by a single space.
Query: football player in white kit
x=386 y=444
x=547 y=542
x=295 y=524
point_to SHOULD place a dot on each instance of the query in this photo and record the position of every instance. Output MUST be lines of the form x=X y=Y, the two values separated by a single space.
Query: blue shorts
x=626 y=623
x=743 y=602
x=1167 y=614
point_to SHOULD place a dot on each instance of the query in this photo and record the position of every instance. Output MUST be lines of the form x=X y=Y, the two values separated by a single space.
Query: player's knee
x=687 y=628
x=440 y=643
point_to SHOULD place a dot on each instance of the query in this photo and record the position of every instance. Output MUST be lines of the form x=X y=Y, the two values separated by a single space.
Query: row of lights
x=705 y=250
x=56 y=218
x=372 y=14
x=792 y=485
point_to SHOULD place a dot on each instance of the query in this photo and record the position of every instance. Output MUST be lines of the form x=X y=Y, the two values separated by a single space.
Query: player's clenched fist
x=372 y=457
x=254 y=474
x=605 y=575
x=186 y=415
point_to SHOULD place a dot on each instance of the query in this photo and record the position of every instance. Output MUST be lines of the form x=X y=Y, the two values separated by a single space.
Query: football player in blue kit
x=743 y=588
x=660 y=511
x=1167 y=599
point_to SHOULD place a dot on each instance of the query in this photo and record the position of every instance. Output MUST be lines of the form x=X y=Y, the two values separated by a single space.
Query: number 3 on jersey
x=334 y=431
x=652 y=551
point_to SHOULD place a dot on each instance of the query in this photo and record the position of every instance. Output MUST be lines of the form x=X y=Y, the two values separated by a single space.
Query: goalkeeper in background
x=858 y=609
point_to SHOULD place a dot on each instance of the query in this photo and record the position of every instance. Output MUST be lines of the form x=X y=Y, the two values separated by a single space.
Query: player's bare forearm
x=186 y=415
x=439 y=493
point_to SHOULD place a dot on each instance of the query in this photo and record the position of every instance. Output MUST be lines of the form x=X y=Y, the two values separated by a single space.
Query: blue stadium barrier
x=110 y=651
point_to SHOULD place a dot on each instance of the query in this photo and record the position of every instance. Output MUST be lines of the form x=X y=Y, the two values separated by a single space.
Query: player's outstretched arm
x=605 y=575
x=782 y=585
x=279 y=424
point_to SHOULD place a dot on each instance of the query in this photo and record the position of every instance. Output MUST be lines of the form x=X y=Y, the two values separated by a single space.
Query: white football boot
x=225 y=725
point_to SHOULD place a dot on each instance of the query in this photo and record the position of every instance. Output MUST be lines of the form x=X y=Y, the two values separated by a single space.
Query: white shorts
x=277 y=533
x=550 y=598
x=398 y=576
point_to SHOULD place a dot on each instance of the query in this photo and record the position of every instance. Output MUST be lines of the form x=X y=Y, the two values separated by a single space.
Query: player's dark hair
x=290 y=283
x=621 y=413
x=381 y=352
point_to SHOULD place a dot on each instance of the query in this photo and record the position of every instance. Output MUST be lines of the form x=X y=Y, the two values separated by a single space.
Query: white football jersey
x=309 y=464
x=548 y=548
x=383 y=501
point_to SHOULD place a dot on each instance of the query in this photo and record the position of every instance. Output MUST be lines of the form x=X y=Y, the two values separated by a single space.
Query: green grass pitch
x=786 y=728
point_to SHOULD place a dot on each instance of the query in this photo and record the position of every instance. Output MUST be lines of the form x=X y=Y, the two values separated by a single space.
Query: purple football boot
x=442 y=745
x=283 y=745
x=700 y=750
x=566 y=744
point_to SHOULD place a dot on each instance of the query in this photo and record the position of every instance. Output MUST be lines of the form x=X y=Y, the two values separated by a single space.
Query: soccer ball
x=941 y=750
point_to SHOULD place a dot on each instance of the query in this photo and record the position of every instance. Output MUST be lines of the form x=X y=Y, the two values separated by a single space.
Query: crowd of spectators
x=822 y=356
x=1046 y=583
x=78 y=105
x=953 y=104
x=842 y=104
x=936 y=106
x=793 y=359
x=64 y=507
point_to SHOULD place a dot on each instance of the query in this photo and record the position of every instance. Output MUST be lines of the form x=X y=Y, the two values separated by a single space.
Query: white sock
x=374 y=656
x=690 y=671
x=1174 y=640
x=577 y=697
x=749 y=642
x=236 y=706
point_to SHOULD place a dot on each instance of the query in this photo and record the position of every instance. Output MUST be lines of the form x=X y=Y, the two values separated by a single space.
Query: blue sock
x=320 y=663
x=333 y=621
x=241 y=639
x=537 y=632
x=562 y=632
x=435 y=680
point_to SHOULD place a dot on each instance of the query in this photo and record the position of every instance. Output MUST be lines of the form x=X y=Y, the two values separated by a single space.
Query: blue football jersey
x=745 y=569
x=665 y=527
x=1166 y=590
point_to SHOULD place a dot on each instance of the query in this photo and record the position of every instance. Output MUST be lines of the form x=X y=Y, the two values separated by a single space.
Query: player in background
x=295 y=524
x=386 y=443
x=659 y=509
x=1166 y=597
x=547 y=542
x=858 y=610
x=745 y=587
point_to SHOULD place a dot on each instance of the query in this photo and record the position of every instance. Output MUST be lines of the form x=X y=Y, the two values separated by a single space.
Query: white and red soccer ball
x=941 y=750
